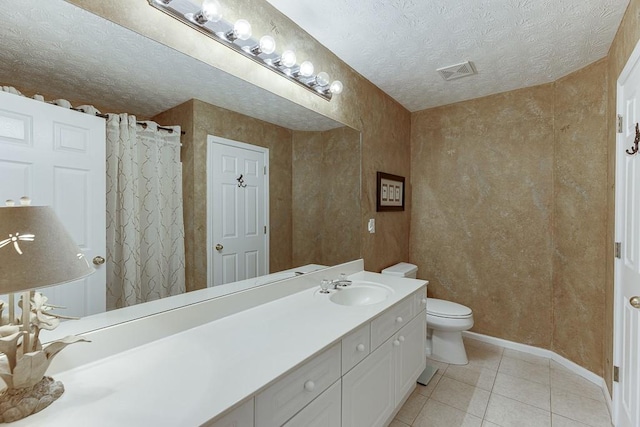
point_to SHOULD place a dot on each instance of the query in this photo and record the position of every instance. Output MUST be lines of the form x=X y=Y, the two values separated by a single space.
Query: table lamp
x=35 y=252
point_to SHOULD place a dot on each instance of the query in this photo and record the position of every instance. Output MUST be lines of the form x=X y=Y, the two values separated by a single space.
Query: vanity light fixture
x=207 y=18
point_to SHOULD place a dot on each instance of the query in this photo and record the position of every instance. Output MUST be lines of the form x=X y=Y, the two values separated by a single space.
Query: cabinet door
x=322 y=412
x=409 y=354
x=368 y=390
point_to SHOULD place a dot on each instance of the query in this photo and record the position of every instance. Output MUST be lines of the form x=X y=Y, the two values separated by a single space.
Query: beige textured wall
x=206 y=119
x=579 y=226
x=509 y=213
x=623 y=44
x=482 y=179
x=326 y=196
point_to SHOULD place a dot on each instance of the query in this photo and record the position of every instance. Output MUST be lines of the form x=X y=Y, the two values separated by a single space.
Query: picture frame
x=390 y=192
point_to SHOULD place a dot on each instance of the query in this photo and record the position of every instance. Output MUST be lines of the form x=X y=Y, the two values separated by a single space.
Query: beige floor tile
x=483 y=355
x=461 y=396
x=580 y=408
x=525 y=391
x=396 y=423
x=563 y=378
x=486 y=423
x=411 y=408
x=436 y=414
x=522 y=369
x=473 y=375
x=560 y=421
x=426 y=390
x=510 y=413
x=514 y=354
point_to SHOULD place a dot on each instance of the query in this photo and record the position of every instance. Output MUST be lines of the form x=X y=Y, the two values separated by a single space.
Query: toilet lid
x=442 y=308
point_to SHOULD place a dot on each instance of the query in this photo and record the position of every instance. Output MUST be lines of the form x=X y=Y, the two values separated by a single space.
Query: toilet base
x=448 y=347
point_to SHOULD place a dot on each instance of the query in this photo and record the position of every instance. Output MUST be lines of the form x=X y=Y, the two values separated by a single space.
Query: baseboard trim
x=537 y=351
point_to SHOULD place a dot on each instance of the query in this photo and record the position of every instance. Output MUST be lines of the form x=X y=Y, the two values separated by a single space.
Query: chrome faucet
x=339 y=283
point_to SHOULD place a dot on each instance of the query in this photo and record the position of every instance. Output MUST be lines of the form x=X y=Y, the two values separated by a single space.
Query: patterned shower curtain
x=145 y=229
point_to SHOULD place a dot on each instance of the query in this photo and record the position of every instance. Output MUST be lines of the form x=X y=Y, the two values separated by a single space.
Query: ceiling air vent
x=457 y=71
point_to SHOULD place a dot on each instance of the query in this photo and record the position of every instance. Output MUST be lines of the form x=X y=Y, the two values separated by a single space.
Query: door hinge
x=618 y=249
x=265 y=170
x=619 y=123
x=616 y=374
x=265 y=229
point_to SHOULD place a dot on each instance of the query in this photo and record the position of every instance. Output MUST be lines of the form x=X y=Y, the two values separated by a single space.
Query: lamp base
x=18 y=403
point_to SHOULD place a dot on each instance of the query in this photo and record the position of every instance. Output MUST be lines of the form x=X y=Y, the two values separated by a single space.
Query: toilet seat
x=447 y=309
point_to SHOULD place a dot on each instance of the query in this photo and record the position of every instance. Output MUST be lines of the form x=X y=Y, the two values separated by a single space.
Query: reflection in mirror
x=58 y=50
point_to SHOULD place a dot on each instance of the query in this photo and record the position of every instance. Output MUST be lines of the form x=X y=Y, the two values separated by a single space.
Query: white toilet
x=445 y=322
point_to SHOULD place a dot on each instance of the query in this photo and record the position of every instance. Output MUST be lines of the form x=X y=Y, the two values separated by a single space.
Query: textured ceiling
x=399 y=44
x=55 y=48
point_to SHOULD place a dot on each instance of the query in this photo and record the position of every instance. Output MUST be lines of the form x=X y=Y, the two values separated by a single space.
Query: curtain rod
x=144 y=125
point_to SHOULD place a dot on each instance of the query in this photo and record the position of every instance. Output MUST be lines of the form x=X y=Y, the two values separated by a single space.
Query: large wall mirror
x=58 y=50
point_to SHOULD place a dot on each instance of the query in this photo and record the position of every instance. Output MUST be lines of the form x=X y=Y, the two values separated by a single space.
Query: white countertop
x=188 y=378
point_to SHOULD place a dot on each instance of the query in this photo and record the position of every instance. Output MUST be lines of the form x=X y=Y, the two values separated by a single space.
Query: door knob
x=635 y=302
x=219 y=247
x=98 y=260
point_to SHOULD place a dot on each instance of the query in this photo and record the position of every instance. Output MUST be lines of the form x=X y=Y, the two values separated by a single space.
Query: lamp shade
x=36 y=251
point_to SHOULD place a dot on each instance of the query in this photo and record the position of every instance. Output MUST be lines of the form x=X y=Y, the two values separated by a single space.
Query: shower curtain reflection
x=145 y=229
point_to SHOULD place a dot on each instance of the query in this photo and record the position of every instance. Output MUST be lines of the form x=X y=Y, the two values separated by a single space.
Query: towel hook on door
x=243 y=185
x=634 y=149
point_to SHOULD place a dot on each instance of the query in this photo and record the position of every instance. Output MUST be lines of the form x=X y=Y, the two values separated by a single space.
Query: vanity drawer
x=385 y=325
x=283 y=399
x=325 y=411
x=355 y=347
x=420 y=300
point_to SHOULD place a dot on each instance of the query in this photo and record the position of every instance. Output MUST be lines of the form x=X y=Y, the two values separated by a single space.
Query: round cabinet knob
x=360 y=347
x=219 y=247
x=401 y=338
x=396 y=343
x=399 y=319
x=423 y=301
x=309 y=385
x=635 y=302
x=98 y=260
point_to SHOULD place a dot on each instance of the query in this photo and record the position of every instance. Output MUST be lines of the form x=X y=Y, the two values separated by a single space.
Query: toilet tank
x=402 y=269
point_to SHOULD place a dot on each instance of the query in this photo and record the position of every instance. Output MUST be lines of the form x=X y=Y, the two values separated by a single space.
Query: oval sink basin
x=360 y=295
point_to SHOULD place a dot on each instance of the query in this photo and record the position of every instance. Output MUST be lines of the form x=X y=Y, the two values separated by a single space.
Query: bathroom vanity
x=278 y=354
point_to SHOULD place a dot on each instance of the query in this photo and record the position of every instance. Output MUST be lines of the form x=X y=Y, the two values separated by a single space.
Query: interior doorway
x=626 y=391
x=238 y=211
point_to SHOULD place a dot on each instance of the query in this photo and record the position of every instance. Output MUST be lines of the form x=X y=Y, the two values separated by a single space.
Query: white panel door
x=238 y=206
x=56 y=157
x=626 y=396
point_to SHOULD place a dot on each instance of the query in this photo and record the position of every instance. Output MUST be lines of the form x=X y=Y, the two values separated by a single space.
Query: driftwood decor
x=23 y=369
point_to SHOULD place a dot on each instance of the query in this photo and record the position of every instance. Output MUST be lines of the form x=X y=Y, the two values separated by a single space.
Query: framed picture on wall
x=390 y=194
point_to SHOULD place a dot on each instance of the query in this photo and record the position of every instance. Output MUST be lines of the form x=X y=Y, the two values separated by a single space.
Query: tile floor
x=503 y=387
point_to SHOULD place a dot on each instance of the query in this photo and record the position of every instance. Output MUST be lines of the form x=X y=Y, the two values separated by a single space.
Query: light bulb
x=211 y=11
x=242 y=29
x=288 y=58
x=336 y=87
x=306 y=69
x=322 y=79
x=267 y=45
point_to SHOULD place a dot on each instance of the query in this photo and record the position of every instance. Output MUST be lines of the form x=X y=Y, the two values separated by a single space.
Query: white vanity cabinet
x=242 y=416
x=373 y=390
